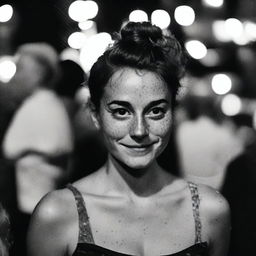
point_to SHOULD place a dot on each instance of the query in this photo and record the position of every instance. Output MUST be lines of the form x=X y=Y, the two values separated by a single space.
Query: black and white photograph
x=127 y=128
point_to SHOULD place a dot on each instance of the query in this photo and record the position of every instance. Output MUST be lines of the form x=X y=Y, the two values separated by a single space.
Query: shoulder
x=212 y=203
x=214 y=214
x=54 y=206
x=215 y=219
x=53 y=216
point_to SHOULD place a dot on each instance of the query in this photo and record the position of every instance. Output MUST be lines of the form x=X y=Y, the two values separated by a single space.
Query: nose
x=139 y=128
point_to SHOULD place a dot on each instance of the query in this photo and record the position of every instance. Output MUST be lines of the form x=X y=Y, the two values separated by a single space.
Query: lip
x=138 y=149
x=138 y=146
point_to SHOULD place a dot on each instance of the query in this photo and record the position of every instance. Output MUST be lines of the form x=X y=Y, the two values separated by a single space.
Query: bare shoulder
x=53 y=216
x=55 y=205
x=215 y=217
x=212 y=203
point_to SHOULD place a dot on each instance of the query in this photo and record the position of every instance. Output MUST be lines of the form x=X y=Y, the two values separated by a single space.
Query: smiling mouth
x=138 y=148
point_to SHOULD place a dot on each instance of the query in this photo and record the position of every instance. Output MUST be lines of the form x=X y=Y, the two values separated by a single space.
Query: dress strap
x=195 y=207
x=85 y=233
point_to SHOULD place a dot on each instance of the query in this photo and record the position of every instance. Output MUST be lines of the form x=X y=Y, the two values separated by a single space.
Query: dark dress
x=86 y=245
x=239 y=188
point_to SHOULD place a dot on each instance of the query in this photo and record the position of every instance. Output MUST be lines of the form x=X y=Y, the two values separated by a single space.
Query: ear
x=94 y=115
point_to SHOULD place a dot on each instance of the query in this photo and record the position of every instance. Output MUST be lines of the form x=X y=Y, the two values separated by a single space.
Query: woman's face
x=135 y=117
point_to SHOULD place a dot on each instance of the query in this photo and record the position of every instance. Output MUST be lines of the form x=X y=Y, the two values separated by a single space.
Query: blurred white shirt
x=205 y=148
x=40 y=125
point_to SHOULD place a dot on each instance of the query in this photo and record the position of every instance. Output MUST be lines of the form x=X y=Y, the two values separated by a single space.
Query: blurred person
x=73 y=90
x=39 y=138
x=5 y=232
x=131 y=205
x=239 y=188
x=206 y=140
x=70 y=82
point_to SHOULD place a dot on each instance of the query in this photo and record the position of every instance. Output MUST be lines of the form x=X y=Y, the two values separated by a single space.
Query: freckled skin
x=140 y=125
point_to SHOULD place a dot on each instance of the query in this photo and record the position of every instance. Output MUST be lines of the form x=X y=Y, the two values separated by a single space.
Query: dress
x=239 y=189
x=86 y=245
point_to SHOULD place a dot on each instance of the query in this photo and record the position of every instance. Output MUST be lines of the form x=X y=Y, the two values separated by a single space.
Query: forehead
x=128 y=82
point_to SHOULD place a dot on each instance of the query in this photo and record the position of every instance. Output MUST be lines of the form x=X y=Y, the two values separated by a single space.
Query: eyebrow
x=128 y=105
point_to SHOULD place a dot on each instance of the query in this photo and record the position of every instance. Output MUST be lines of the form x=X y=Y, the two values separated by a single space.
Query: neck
x=136 y=182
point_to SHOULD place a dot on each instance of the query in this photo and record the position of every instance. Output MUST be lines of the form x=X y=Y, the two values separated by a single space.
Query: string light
x=6 y=12
x=85 y=25
x=161 y=18
x=231 y=105
x=184 y=15
x=138 y=16
x=196 y=49
x=76 y=40
x=7 y=68
x=83 y=10
x=213 y=3
x=93 y=48
x=221 y=84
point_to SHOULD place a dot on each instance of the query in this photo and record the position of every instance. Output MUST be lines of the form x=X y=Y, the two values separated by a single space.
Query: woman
x=131 y=206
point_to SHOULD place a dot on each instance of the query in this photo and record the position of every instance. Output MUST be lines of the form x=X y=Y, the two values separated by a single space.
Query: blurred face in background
x=135 y=117
x=28 y=70
x=28 y=75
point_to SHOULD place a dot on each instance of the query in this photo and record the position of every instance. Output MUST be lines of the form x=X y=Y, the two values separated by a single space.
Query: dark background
x=47 y=20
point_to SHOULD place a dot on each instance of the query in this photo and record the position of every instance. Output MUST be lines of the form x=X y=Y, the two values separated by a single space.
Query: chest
x=144 y=228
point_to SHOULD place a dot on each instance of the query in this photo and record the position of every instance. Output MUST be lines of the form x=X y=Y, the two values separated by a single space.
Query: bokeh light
x=138 y=16
x=213 y=3
x=161 y=18
x=76 y=40
x=93 y=48
x=82 y=96
x=221 y=84
x=70 y=54
x=231 y=105
x=83 y=10
x=7 y=68
x=250 y=30
x=196 y=49
x=6 y=12
x=211 y=59
x=219 y=31
x=184 y=15
x=234 y=28
x=85 y=25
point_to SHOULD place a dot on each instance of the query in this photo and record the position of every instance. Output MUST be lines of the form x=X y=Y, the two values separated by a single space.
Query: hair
x=139 y=45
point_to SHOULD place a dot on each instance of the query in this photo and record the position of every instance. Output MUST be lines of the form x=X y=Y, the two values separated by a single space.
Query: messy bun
x=145 y=33
x=140 y=46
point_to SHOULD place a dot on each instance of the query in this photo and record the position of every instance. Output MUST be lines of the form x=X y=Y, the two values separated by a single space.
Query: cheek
x=161 y=128
x=113 y=129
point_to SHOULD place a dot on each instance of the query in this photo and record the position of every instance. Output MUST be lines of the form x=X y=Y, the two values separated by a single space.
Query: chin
x=135 y=163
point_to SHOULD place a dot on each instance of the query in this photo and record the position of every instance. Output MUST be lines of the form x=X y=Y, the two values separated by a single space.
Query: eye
x=120 y=112
x=156 y=113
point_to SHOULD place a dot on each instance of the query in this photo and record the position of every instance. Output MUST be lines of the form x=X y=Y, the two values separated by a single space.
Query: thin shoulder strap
x=85 y=233
x=195 y=207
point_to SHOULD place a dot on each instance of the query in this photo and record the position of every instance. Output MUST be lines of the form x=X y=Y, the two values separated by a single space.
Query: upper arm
x=45 y=234
x=216 y=221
